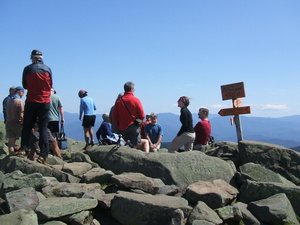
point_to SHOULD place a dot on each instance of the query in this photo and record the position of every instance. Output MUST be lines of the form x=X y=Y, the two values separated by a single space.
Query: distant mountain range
x=284 y=131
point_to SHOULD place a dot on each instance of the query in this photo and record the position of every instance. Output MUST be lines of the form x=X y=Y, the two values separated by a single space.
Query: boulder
x=275 y=210
x=25 y=198
x=139 y=181
x=248 y=217
x=145 y=209
x=170 y=168
x=257 y=172
x=54 y=207
x=202 y=212
x=229 y=213
x=97 y=175
x=215 y=194
x=254 y=191
x=20 y=217
x=64 y=189
x=76 y=168
x=274 y=157
x=17 y=180
x=12 y=163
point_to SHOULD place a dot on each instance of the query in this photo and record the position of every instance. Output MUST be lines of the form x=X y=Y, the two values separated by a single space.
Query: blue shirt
x=87 y=107
x=154 y=131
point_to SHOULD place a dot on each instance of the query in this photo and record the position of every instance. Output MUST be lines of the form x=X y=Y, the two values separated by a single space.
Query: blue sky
x=168 y=48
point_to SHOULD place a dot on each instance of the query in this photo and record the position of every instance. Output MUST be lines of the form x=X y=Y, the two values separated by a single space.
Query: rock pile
x=226 y=183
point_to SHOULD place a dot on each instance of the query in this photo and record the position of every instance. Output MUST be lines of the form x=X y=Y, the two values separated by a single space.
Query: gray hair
x=128 y=86
x=153 y=115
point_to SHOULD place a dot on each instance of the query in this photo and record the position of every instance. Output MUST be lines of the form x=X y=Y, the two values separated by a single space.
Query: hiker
x=128 y=114
x=104 y=133
x=186 y=135
x=34 y=146
x=154 y=133
x=14 y=119
x=147 y=121
x=56 y=112
x=88 y=116
x=202 y=129
x=6 y=99
x=114 y=128
x=37 y=79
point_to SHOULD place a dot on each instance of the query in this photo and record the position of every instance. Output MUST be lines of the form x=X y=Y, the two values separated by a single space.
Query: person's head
x=19 y=91
x=129 y=86
x=36 y=55
x=120 y=95
x=105 y=117
x=53 y=91
x=153 y=118
x=148 y=117
x=203 y=113
x=183 y=101
x=82 y=93
x=12 y=90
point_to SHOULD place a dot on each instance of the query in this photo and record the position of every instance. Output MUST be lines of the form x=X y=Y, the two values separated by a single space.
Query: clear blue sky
x=168 y=48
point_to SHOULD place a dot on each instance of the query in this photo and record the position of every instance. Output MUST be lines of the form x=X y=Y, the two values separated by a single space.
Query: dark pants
x=132 y=133
x=36 y=112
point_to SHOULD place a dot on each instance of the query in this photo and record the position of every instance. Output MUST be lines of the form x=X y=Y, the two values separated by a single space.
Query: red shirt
x=203 y=131
x=123 y=118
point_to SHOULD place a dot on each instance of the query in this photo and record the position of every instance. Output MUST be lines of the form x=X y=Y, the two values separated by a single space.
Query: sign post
x=235 y=92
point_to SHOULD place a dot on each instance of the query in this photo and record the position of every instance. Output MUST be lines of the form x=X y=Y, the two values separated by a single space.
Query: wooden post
x=238 y=126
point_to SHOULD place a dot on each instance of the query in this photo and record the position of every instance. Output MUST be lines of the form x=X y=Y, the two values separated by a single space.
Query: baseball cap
x=19 y=88
x=36 y=53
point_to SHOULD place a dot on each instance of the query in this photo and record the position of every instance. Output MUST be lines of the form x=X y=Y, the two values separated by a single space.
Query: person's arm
x=62 y=114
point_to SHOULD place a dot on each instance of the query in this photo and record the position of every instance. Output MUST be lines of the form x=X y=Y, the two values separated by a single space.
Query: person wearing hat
x=14 y=119
x=88 y=116
x=6 y=99
x=37 y=79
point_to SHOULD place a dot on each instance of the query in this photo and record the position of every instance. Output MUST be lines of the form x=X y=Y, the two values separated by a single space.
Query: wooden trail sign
x=232 y=91
x=234 y=111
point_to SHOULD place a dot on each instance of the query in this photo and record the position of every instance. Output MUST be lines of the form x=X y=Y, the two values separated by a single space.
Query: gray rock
x=76 y=168
x=104 y=201
x=178 y=218
x=20 y=217
x=25 y=198
x=54 y=207
x=170 y=168
x=229 y=212
x=17 y=180
x=53 y=222
x=202 y=212
x=275 y=210
x=260 y=173
x=81 y=218
x=248 y=217
x=274 y=157
x=12 y=163
x=145 y=209
x=254 y=191
x=97 y=175
x=216 y=194
x=202 y=222
x=81 y=157
x=64 y=189
x=136 y=181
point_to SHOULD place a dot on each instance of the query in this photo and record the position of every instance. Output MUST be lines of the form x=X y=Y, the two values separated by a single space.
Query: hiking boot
x=22 y=152
x=41 y=160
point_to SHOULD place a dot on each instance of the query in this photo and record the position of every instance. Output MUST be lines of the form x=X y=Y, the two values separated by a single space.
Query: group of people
x=37 y=121
x=126 y=120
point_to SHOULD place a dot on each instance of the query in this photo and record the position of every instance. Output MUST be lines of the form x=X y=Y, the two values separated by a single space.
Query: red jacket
x=123 y=118
x=37 y=79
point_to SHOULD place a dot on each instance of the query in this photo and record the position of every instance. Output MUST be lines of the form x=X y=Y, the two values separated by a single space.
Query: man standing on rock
x=126 y=112
x=37 y=79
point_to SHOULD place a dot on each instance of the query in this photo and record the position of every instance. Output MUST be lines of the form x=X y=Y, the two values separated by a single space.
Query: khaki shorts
x=14 y=131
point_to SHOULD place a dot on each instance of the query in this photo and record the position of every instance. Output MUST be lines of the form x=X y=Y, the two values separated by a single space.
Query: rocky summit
x=225 y=183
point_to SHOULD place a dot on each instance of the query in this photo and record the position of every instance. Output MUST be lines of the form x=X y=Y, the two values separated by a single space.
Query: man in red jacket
x=37 y=79
x=127 y=109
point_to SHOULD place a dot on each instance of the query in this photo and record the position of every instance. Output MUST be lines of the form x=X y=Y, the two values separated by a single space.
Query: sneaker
x=21 y=152
x=41 y=160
